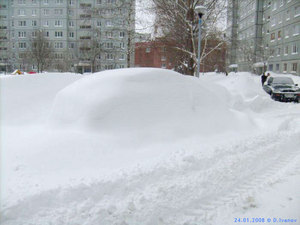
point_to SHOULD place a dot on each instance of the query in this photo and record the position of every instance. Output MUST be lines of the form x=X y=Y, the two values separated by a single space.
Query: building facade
x=268 y=35
x=152 y=54
x=85 y=35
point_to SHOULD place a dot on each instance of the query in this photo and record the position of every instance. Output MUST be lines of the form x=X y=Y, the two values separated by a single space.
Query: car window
x=270 y=80
x=283 y=80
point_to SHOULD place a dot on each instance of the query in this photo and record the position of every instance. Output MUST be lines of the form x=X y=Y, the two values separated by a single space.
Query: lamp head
x=200 y=10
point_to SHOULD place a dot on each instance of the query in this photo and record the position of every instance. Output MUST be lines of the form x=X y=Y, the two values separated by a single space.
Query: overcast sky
x=144 y=16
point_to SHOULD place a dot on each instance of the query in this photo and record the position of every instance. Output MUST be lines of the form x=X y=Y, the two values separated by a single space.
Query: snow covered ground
x=147 y=146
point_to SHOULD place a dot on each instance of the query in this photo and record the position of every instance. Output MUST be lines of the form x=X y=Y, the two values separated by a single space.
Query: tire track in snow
x=189 y=192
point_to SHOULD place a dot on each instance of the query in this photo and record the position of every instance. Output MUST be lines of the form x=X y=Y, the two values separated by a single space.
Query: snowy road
x=198 y=179
x=193 y=191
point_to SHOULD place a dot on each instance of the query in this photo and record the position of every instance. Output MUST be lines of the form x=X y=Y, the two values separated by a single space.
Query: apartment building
x=268 y=35
x=84 y=35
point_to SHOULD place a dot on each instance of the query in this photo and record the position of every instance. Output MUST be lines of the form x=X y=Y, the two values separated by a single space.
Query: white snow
x=146 y=146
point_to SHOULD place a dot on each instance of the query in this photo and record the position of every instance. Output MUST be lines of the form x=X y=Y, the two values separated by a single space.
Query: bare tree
x=40 y=50
x=119 y=17
x=177 y=22
x=251 y=57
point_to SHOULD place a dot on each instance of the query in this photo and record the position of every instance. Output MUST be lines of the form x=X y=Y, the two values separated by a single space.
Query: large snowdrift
x=144 y=146
x=27 y=99
x=151 y=102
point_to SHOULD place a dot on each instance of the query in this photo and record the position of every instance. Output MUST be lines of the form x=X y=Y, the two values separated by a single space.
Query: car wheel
x=272 y=95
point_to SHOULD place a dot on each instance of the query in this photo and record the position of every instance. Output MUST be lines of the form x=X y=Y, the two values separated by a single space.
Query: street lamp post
x=200 y=10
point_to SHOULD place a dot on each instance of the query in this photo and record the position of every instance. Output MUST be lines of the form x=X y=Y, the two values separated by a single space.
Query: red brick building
x=152 y=54
x=158 y=54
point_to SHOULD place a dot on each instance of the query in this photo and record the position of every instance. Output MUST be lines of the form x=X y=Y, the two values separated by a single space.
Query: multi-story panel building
x=4 y=35
x=268 y=35
x=84 y=35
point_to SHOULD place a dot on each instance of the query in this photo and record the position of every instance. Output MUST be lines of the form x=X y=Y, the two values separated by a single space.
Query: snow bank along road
x=94 y=167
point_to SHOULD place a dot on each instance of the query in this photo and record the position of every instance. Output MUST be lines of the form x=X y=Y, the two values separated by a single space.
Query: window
x=272 y=52
x=34 y=1
x=163 y=66
x=71 y=34
x=22 y=23
x=71 y=12
x=109 y=56
x=281 y=3
x=279 y=34
x=98 y=23
x=22 y=2
x=58 y=2
x=284 y=67
x=71 y=45
x=46 y=23
x=286 y=50
x=85 y=27
x=58 y=56
x=297 y=11
x=296 y=29
x=122 y=57
x=163 y=58
x=122 y=34
x=71 y=2
x=273 y=36
x=58 y=34
x=33 y=12
x=271 y=67
x=34 y=23
x=58 y=45
x=109 y=34
x=46 y=2
x=279 y=18
x=22 y=45
x=273 y=21
x=148 y=50
x=46 y=12
x=46 y=34
x=294 y=67
x=109 y=45
x=108 y=23
x=22 y=34
x=122 y=45
x=58 y=23
x=287 y=14
x=71 y=23
x=277 y=67
x=34 y=34
x=294 y=49
x=99 y=2
x=274 y=5
x=286 y=30
x=109 y=67
x=85 y=5
x=278 y=51
x=58 y=11
x=21 y=12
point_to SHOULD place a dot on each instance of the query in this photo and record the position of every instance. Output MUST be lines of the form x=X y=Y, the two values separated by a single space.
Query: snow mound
x=247 y=93
x=151 y=101
x=28 y=98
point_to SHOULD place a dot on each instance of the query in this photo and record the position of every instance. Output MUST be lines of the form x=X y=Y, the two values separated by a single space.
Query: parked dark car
x=282 y=89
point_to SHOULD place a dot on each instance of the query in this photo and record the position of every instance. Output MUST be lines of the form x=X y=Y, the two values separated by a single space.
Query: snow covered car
x=282 y=89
